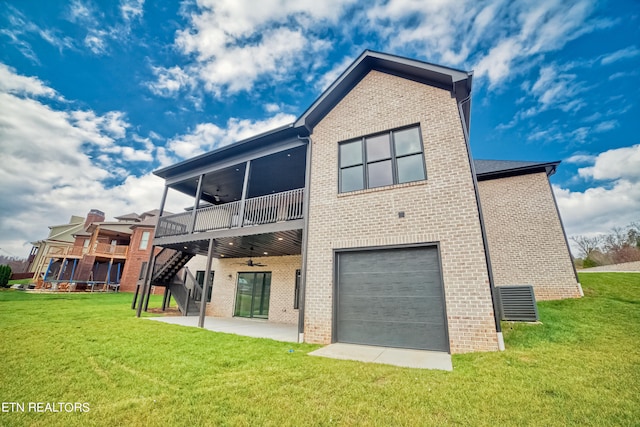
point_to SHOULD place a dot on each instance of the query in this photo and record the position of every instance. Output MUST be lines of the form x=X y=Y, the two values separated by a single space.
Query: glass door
x=252 y=297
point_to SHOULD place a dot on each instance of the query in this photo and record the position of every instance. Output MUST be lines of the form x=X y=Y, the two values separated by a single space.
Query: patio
x=239 y=326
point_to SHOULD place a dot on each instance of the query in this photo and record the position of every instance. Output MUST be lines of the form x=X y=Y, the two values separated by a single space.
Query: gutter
x=485 y=243
x=305 y=240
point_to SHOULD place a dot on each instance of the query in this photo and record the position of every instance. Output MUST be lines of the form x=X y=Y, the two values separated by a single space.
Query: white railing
x=285 y=206
x=276 y=207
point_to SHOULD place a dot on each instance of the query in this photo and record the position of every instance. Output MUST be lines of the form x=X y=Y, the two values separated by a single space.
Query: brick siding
x=135 y=258
x=441 y=209
x=525 y=235
x=283 y=276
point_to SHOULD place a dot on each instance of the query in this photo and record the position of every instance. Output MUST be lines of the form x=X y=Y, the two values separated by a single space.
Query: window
x=144 y=241
x=389 y=158
x=200 y=280
x=296 y=291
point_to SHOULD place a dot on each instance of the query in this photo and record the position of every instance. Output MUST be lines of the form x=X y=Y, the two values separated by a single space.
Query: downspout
x=305 y=240
x=485 y=243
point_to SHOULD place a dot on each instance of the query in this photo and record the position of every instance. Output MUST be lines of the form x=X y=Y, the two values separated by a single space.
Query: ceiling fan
x=250 y=262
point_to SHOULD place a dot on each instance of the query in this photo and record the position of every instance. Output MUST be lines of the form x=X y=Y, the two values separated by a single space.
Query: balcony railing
x=102 y=249
x=106 y=249
x=285 y=206
x=66 y=251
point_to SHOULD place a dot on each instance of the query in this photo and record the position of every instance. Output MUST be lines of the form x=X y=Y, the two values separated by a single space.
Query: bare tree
x=587 y=245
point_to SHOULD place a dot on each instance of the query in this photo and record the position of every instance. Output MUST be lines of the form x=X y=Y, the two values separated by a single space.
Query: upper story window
x=393 y=157
x=144 y=241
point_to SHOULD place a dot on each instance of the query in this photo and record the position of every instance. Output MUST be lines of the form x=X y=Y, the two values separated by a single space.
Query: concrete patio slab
x=407 y=358
x=246 y=327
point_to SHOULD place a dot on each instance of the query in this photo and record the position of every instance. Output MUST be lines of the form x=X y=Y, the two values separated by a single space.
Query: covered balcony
x=260 y=195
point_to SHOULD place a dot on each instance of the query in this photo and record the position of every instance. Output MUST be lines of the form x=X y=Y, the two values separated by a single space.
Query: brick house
x=110 y=253
x=366 y=221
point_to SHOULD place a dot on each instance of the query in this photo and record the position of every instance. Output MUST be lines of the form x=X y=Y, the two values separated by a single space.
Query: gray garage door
x=391 y=298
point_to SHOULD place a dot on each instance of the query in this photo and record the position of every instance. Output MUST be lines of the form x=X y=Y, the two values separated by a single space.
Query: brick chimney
x=94 y=215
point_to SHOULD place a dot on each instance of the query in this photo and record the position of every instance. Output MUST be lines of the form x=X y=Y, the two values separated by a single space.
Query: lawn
x=581 y=366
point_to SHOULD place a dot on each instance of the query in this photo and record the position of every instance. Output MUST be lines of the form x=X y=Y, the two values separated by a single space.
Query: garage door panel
x=403 y=335
x=391 y=297
x=389 y=259
x=374 y=283
x=414 y=309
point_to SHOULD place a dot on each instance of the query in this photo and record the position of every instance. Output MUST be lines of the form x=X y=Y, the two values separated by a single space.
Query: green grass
x=581 y=366
x=20 y=282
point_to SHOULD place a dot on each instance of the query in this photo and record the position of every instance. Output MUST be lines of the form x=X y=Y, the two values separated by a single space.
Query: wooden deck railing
x=110 y=250
x=285 y=206
x=66 y=251
x=101 y=249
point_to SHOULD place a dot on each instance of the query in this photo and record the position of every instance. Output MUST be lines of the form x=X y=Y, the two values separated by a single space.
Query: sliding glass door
x=252 y=297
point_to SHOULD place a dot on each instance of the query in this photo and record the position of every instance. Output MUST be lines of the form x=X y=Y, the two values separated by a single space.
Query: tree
x=5 y=275
x=587 y=244
x=622 y=244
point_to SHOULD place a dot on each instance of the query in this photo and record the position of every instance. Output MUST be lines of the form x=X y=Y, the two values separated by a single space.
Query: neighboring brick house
x=60 y=236
x=111 y=253
x=366 y=221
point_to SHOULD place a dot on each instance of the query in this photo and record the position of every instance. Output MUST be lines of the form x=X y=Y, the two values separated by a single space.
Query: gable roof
x=458 y=82
x=128 y=217
x=492 y=169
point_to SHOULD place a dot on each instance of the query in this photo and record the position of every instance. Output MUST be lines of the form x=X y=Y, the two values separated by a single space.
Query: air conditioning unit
x=517 y=303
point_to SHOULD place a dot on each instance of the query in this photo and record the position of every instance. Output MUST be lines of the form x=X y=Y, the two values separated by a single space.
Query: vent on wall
x=517 y=303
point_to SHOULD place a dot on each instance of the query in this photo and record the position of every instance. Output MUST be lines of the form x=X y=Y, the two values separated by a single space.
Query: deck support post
x=147 y=278
x=146 y=300
x=46 y=273
x=164 y=298
x=108 y=278
x=62 y=268
x=207 y=284
x=305 y=241
x=135 y=297
x=196 y=204
x=163 y=201
x=73 y=270
x=245 y=186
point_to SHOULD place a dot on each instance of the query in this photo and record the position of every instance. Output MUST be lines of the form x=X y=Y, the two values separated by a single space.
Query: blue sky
x=96 y=95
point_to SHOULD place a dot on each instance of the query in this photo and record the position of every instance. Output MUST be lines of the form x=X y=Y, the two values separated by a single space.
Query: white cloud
x=208 y=136
x=626 y=53
x=169 y=81
x=99 y=36
x=271 y=107
x=581 y=159
x=20 y=28
x=332 y=75
x=79 y=11
x=614 y=199
x=598 y=209
x=618 y=163
x=96 y=42
x=234 y=43
x=510 y=37
x=58 y=163
x=606 y=126
x=10 y=82
x=131 y=9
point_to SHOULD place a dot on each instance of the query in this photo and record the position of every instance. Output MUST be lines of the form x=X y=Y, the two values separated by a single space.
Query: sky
x=96 y=95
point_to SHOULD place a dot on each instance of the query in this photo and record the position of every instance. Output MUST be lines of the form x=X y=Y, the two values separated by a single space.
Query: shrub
x=588 y=263
x=5 y=275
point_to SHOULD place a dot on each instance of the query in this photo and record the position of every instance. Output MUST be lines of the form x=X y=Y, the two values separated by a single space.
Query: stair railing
x=192 y=283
